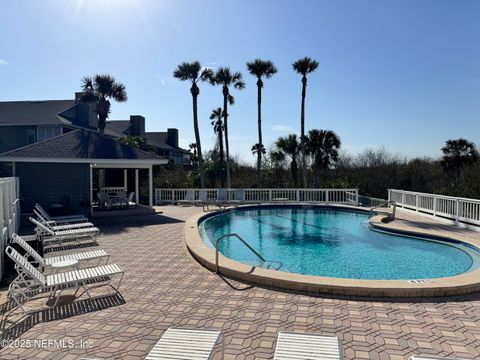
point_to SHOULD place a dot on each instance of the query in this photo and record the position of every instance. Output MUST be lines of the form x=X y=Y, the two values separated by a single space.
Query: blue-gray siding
x=48 y=183
x=12 y=137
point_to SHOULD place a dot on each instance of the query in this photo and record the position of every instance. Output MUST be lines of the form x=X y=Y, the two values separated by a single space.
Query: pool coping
x=455 y=285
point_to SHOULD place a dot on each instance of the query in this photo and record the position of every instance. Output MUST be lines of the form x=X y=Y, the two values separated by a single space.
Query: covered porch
x=133 y=182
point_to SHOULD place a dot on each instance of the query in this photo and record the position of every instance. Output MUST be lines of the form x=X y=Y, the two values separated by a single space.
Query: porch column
x=137 y=189
x=91 y=189
x=101 y=178
x=150 y=185
x=125 y=180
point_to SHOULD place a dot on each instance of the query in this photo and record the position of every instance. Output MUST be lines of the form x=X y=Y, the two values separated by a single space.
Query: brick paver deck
x=163 y=286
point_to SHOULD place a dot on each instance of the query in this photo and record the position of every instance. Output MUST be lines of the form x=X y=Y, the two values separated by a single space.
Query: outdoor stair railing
x=454 y=208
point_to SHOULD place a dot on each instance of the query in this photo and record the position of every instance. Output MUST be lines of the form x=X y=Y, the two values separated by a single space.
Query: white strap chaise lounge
x=293 y=346
x=61 y=226
x=429 y=357
x=31 y=282
x=60 y=219
x=189 y=198
x=185 y=344
x=61 y=261
x=46 y=233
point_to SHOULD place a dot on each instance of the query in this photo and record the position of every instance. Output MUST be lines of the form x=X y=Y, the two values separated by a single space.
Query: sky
x=400 y=74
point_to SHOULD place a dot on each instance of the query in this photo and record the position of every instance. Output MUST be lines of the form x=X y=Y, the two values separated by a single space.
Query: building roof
x=43 y=112
x=117 y=126
x=80 y=145
x=159 y=140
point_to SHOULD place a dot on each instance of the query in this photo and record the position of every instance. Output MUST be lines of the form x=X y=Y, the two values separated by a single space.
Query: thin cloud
x=3 y=62
x=281 y=128
x=177 y=26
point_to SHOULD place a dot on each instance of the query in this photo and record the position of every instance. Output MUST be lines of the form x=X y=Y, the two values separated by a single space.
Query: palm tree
x=260 y=69
x=303 y=67
x=290 y=147
x=193 y=149
x=457 y=155
x=101 y=89
x=259 y=150
x=323 y=145
x=225 y=78
x=193 y=72
x=216 y=117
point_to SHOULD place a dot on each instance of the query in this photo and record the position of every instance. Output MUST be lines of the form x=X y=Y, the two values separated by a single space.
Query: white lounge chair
x=238 y=196
x=221 y=201
x=61 y=259
x=185 y=344
x=131 y=203
x=293 y=346
x=61 y=226
x=60 y=219
x=30 y=281
x=46 y=233
x=189 y=198
x=104 y=201
x=429 y=357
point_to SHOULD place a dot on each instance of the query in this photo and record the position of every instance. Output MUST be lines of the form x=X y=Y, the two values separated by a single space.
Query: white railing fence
x=454 y=208
x=113 y=189
x=9 y=213
x=327 y=196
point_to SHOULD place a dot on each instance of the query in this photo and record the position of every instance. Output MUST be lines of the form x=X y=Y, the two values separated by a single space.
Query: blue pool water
x=333 y=243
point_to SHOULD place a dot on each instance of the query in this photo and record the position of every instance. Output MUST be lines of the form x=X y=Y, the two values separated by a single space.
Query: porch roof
x=83 y=146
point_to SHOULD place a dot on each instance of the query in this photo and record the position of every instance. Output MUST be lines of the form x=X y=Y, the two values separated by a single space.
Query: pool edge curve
x=461 y=284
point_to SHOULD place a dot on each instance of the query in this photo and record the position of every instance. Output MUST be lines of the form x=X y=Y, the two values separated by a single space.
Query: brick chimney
x=172 y=137
x=137 y=125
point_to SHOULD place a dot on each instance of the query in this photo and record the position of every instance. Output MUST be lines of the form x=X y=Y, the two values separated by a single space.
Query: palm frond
x=305 y=65
x=188 y=71
x=261 y=68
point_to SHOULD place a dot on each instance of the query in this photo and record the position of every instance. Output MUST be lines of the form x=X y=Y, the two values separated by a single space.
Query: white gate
x=9 y=213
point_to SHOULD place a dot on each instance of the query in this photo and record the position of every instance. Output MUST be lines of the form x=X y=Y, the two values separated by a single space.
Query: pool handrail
x=387 y=203
x=217 y=242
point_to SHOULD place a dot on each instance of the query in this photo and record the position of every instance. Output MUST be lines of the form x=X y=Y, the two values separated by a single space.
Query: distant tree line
x=456 y=173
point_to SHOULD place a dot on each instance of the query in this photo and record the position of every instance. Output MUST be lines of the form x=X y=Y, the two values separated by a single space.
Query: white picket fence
x=457 y=209
x=9 y=213
x=326 y=196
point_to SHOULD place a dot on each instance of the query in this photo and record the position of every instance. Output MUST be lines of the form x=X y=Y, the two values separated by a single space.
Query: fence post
x=270 y=195
x=403 y=199
x=327 y=196
x=416 y=202
x=434 y=205
x=457 y=212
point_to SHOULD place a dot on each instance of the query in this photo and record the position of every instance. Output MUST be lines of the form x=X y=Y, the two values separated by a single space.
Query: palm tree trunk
x=302 y=131
x=102 y=120
x=259 y=152
x=222 y=156
x=197 y=140
x=294 y=169
x=225 y=123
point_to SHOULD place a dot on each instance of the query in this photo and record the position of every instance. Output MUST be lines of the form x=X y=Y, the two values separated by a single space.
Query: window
x=47 y=132
x=30 y=136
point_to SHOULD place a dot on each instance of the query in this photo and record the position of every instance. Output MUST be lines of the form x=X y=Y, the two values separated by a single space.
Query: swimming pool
x=332 y=242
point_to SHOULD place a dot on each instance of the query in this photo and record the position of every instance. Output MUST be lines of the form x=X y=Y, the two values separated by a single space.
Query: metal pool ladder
x=238 y=237
x=387 y=203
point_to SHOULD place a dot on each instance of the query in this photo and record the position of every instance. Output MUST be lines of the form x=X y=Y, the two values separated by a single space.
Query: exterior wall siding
x=12 y=137
x=48 y=183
